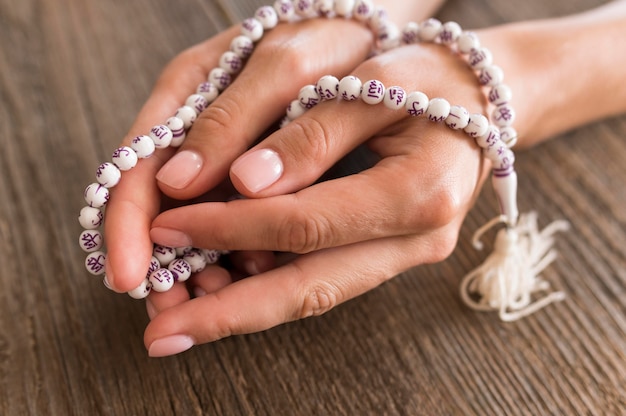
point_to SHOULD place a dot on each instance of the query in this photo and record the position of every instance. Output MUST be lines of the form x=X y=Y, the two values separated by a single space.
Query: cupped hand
x=351 y=233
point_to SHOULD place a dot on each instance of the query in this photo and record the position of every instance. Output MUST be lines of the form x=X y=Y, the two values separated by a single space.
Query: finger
x=254 y=262
x=135 y=200
x=159 y=301
x=287 y=58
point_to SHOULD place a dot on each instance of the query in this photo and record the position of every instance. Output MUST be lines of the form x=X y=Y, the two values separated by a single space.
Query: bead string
x=169 y=265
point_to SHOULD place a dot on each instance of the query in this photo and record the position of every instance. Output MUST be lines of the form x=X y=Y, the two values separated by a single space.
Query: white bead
x=162 y=280
x=231 y=62
x=494 y=152
x=395 y=98
x=491 y=75
x=467 y=42
x=344 y=8
x=161 y=135
x=242 y=46
x=388 y=36
x=438 y=109
x=503 y=160
x=154 y=265
x=108 y=175
x=208 y=91
x=477 y=125
x=90 y=218
x=380 y=16
x=308 y=96
x=187 y=115
x=165 y=255
x=429 y=29
x=503 y=115
x=181 y=251
x=350 y=88
x=324 y=7
x=416 y=103
x=295 y=110
x=90 y=240
x=327 y=87
x=177 y=127
x=124 y=158
x=480 y=58
x=490 y=138
x=267 y=16
x=197 y=102
x=142 y=291
x=143 y=146
x=410 y=33
x=181 y=270
x=252 y=28
x=284 y=10
x=96 y=195
x=509 y=136
x=500 y=94
x=363 y=10
x=211 y=256
x=284 y=123
x=458 y=117
x=450 y=32
x=220 y=78
x=94 y=263
x=373 y=92
x=196 y=260
x=304 y=8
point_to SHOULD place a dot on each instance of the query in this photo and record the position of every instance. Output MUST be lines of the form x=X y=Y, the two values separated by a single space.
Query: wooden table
x=73 y=74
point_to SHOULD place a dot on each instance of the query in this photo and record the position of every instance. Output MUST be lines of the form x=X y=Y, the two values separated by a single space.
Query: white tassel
x=510 y=275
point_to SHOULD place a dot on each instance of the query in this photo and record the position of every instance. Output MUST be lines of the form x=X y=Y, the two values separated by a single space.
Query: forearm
x=564 y=72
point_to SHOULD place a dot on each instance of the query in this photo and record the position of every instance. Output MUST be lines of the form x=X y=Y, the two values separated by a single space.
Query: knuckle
x=313 y=137
x=221 y=114
x=319 y=299
x=302 y=234
x=442 y=244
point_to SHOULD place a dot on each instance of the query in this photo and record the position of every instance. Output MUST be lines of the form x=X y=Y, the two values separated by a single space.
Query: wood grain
x=73 y=74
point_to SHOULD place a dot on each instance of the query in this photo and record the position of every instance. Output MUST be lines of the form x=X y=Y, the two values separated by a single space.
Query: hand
x=353 y=233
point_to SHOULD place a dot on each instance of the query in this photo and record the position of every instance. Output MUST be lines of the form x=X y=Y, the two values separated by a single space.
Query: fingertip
x=180 y=171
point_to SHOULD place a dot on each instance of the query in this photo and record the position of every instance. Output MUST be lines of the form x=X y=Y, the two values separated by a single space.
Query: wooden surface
x=73 y=74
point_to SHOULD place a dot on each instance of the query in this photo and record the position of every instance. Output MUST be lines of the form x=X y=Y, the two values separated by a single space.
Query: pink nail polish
x=169 y=237
x=258 y=170
x=171 y=345
x=180 y=170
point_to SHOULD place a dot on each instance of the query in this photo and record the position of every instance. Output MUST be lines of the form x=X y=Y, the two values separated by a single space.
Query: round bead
x=467 y=42
x=489 y=138
x=284 y=10
x=410 y=33
x=500 y=94
x=295 y=110
x=181 y=251
x=477 y=125
x=90 y=240
x=124 y=158
x=165 y=255
x=429 y=29
x=458 y=117
x=373 y=92
x=108 y=175
x=242 y=46
x=208 y=91
x=350 y=88
x=503 y=115
x=96 y=195
x=388 y=36
x=161 y=280
x=284 y=122
x=379 y=16
x=327 y=87
x=344 y=8
x=181 y=270
x=493 y=152
x=363 y=10
x=308 y=96
x=230 y=62
x=94 y=263
x=161 y=135
x=252 y=28
x=197 y=102
x=324 y=7
x=220 y=78
x=416 y=103
x=267 y=16
x=211 y=256
x=503 y=160
x=395 y=98
x=187 y=115
x=438 y=109
x=196 y=260
x=90 y=218
x=450 y=32
x=143 y=146
x=177 y=127
x=509 y=136
x=142 y=291
x=480 y=58
x=304 y=8
x=491 y=75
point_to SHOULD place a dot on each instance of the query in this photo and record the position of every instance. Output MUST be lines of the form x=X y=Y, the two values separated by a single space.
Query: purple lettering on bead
x=485 y=78
x=96 y=263
x=397 y=94
x=504 y=113
x=375 y=89
x=90 y=240
x=415 y=110
x=249 y=24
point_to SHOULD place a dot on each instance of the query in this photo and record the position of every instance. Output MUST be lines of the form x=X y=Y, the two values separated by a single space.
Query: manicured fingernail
x=180 y=170
x=171 y=345
x=152 y=312
x=258 y=170
x=198 y=292
x=169 y=238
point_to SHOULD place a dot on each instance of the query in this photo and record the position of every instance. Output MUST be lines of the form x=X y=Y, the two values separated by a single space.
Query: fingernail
x=198 y=292
x=152 y=312
x=251 y=267
x=180 y=170
x=109 y=278
x=169 y=237
x=171 y=345
x=258 y=170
